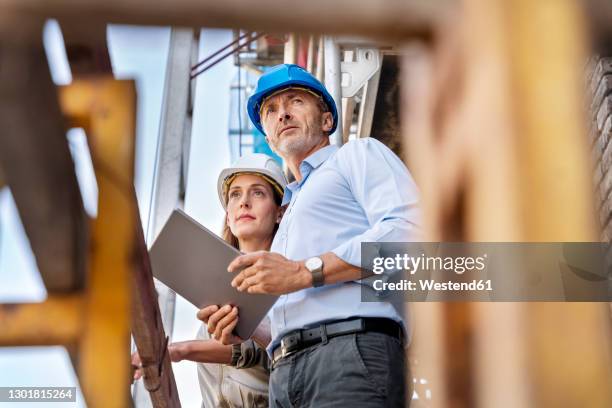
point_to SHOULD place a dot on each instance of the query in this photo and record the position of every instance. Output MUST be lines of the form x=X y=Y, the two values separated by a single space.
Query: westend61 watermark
x=442 y=271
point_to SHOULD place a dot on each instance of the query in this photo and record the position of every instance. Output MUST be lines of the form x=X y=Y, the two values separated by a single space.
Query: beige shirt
x=227 y=386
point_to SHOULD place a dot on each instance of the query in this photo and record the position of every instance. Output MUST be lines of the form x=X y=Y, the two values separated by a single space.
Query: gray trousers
x=354 y=370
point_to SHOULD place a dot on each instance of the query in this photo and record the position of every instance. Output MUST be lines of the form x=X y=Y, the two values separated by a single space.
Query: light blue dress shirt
x=360 y=192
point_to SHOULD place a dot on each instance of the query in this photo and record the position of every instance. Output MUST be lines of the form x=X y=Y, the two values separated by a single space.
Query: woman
x=237 y=376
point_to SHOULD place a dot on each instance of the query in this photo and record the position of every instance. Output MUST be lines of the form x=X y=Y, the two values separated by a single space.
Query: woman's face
x=251 y=210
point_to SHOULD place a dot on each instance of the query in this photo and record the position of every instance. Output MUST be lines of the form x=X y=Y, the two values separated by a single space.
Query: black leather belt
x=300 y=339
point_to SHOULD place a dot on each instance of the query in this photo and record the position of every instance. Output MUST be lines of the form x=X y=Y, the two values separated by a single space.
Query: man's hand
x=221 y=323
x=269 y=273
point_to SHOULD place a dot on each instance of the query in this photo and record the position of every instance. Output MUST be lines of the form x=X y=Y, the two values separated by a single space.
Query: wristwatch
x=315 y=266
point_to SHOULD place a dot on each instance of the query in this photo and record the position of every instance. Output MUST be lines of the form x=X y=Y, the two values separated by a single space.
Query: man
x=327 y=346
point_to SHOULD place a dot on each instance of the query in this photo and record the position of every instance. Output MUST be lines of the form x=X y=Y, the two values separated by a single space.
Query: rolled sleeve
x=251 y=355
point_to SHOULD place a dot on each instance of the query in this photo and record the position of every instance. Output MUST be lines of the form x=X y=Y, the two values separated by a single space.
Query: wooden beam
x=567 y=368
x=496 y=134
x=551 y=125
x=37 y=164
x=86 y=48
x=387 y=18
x=57 y=320
x=103 y=359
x=2 y=179
x=148 y=331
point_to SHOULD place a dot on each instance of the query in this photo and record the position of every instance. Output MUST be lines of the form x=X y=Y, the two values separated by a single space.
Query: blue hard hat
x=285 y=76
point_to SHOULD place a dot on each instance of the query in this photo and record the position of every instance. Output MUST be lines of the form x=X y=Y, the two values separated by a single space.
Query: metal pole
x=320 y=62
x=368 y=102
x=333 y=77
x=166 y=195
x=311 y=51
x=291 y=49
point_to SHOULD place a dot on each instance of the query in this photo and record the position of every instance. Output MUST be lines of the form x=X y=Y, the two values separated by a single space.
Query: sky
x=137 y=53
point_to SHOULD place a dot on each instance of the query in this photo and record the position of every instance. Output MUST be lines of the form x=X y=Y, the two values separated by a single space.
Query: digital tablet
x=193 y=261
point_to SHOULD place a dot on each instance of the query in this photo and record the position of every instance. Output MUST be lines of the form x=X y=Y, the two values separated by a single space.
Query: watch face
x=314 y=263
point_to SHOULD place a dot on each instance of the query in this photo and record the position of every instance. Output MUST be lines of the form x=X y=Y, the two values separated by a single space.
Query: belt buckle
x=290 y=344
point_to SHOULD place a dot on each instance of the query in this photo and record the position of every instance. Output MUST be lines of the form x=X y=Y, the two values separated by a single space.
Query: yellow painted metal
x=57 y=320
x=106 y=109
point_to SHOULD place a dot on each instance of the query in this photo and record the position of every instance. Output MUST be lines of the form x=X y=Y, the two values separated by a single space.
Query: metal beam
x=36 y=324
x=382 y=18
x=291 y=49
x=320 y=58
x=333 y=82
x=174 y=128
x=368 y=102
x=103 y=352
x=174 y=114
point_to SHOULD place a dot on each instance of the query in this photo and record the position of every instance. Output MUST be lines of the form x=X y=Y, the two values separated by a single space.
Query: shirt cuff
x=236 y=354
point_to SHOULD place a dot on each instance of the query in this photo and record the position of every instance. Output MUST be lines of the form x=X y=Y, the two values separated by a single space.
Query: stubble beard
x=297 y=146
x=292 y=146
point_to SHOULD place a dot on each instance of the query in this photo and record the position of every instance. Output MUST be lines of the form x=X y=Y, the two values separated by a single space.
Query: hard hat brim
x=225 y=174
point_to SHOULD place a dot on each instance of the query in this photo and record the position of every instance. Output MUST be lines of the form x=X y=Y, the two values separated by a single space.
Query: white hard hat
x=255 y=163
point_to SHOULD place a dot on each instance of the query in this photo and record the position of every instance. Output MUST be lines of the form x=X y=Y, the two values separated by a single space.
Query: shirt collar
x=318 y=157
x=308 y=164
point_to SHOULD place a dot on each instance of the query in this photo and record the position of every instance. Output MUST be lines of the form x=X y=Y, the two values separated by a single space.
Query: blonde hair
x=227 y=234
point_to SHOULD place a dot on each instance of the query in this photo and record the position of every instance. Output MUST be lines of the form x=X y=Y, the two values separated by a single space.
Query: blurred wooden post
x=567 y=344
x=495 y=134
x=36 y=160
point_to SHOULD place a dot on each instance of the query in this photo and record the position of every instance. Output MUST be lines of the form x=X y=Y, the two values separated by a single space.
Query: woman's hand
x=177 y=352
x=221 y=323
x=137 y=366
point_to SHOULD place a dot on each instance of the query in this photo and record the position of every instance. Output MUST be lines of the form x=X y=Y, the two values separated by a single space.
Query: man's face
x=294 y=122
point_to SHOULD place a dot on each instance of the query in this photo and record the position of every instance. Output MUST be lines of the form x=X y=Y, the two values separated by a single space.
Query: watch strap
x=317 y=277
